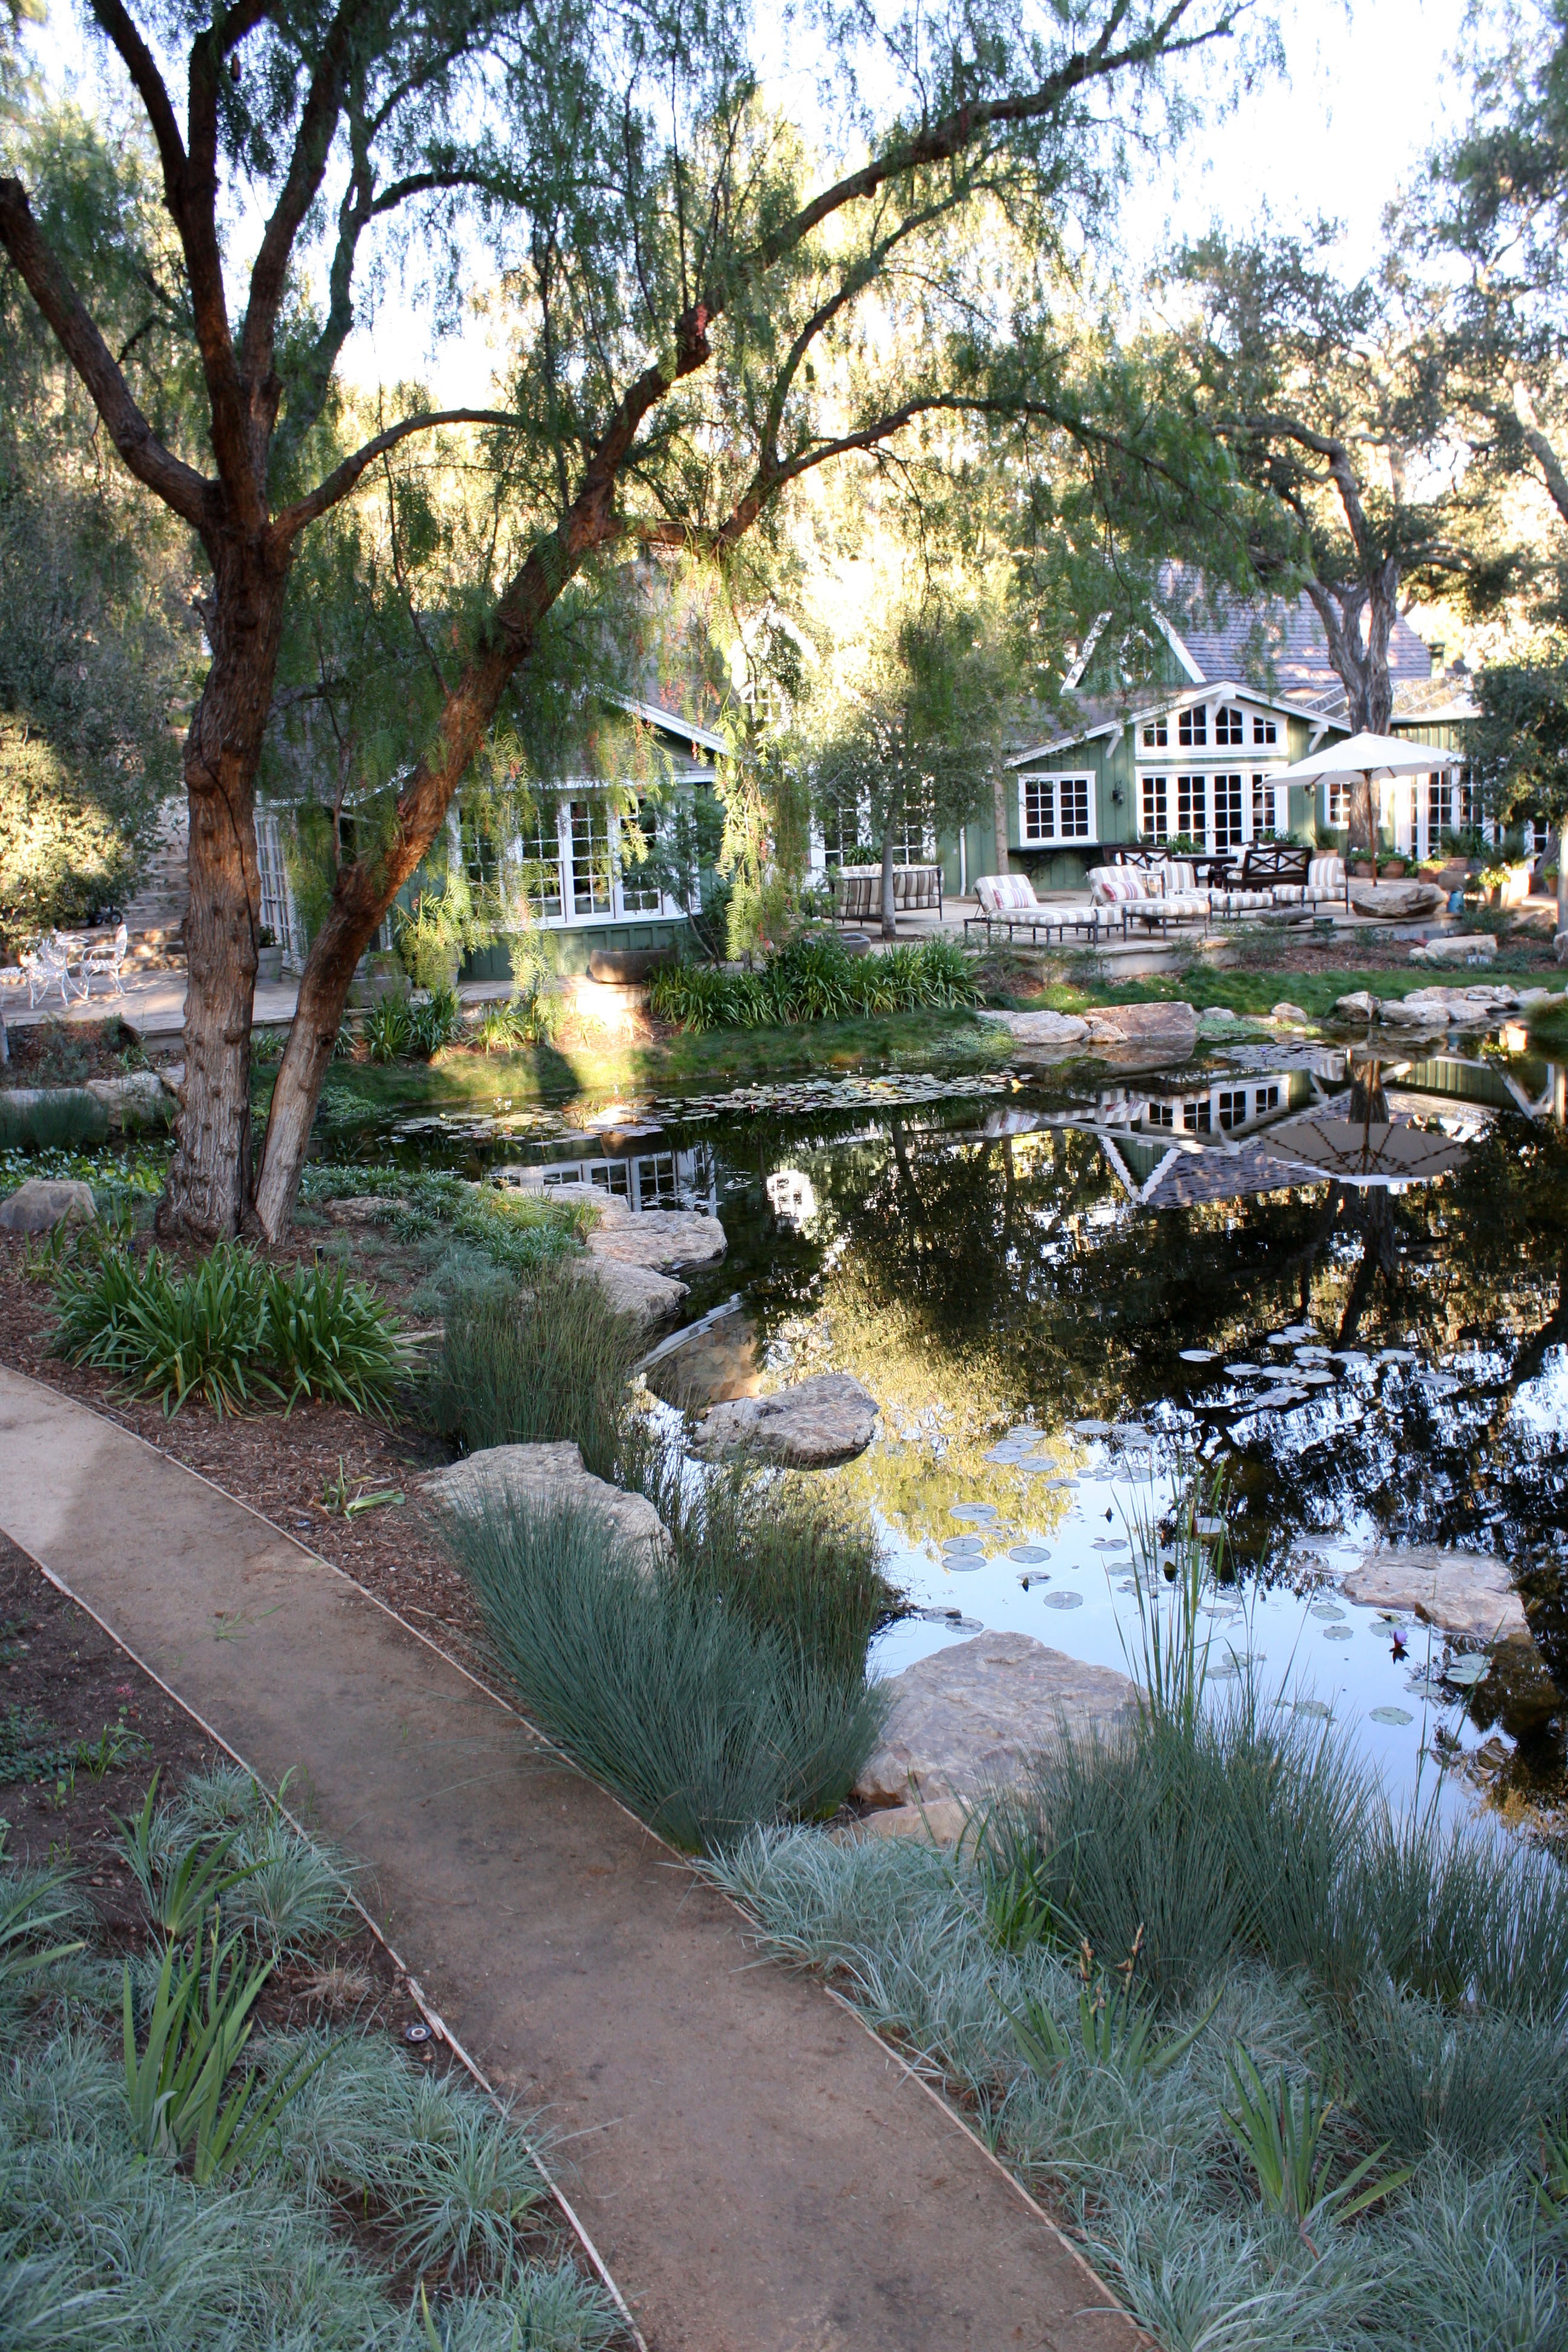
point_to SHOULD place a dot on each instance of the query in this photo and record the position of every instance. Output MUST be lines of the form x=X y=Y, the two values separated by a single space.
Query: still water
x=1063 y=1293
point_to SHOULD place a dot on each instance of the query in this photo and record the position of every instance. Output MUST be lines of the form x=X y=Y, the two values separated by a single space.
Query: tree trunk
x=1562 y=873
x=208 y=1188
x=999 y=819
x=890 y=916
x=323 y=993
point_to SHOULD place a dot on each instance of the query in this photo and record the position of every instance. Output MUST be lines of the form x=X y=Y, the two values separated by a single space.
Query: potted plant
x=269 y=958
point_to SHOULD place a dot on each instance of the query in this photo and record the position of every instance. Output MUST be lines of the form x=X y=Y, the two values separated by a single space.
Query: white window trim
x=1058 y=776
x=622 y=877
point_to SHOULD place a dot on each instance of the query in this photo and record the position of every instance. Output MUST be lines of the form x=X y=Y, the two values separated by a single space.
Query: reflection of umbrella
x=1366 y=760
x=1366 y=1151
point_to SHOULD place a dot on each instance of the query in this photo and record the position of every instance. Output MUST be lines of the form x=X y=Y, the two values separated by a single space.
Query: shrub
x=388 y=1029
x=704 y=1726
x=550 y=1360
x=66 y=1120
x=231 y=1331
x=515 y=1230
x=793 y=1560
x=435 y=1022
x=816 y=978
x=507 y=1028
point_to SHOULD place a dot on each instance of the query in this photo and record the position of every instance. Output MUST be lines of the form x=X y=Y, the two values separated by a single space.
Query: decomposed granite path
x=759 y=2173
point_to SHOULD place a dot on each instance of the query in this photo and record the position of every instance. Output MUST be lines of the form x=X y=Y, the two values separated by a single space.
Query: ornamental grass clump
x=232 y=1330
x=547 y=1361
x=704 y=1724
x=776 y=1546
x=816 y=978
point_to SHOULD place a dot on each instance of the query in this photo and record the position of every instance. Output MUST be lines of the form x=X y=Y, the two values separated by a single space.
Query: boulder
x=361 y=1209
x=1560 y=946
x=1172 y=1027
x=970 y=1718
x=1056 y=1031
x=809 y=1425
x=941 y=1822
x=1285 y=1011
x=1396 y=902
x=137 y=1099
x=652 y=1300
x=1424 y=1008
x=543 y=1478
x=43 y=1202
x=661 y=1240
x=1359 y=1005
x=1465 y=947
x=1460 y=1591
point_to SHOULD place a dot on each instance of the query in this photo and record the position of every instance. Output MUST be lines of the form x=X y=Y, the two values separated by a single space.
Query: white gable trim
x=1177 y=647
x=1090 y=643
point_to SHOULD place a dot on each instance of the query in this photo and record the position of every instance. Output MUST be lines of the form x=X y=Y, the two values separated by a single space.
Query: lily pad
x=1313 y=1706
x=1339 y=1632
x=1198 y=1355
x=1465 y=1673
x=1392 y=1714
x=1091 y=1428
x=1064 y=1600
x=1028 y=1554
x=1326 y=1609
x=979 y=1512
x=1110 y=1543
x=962 y=1547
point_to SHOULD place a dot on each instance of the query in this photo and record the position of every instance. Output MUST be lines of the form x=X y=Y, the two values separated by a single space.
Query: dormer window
x=1193 y=727
x=1227 y=725
x=1263 y=731
x=1156 y=735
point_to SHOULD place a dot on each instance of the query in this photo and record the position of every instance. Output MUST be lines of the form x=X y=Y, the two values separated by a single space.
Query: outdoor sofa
x=858 y=892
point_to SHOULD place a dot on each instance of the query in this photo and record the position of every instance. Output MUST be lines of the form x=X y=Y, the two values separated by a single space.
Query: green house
x=1192 y=752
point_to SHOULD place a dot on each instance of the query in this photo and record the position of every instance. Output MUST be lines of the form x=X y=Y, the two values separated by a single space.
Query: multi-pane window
x=1156 y=735
x=1054 y=808
x=1439 y=811
x=277 y=907
x=1161 y=1114
x=1227 y=811
x=1339 y=804
x=1265 y=810
x=913 y=845
x=1196 y=1116
x=1265 y=1098
x=639 y=890
x=1156 y=808
x=1192 y=807
x=591 y=875
x=1472 y=805
x=1228 y=725
x=1232 y=1107
x=1263 y=730
x=540 y=852
x=1193 y=727
x=840 y=833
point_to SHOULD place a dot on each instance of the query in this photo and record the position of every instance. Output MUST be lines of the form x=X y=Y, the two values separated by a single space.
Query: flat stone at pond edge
x=43 y=1202
x=543 y=1478
x=652 y=1300
x=1058 y=1030
x=1171 y=1026
x=1459 y=1591
x=971 y=1717
x=810 y=1425
x=662 y=1240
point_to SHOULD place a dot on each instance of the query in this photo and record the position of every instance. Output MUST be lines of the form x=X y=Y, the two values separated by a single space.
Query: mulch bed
x=66 y=1054
x=280 y=1466
x=62 y=1672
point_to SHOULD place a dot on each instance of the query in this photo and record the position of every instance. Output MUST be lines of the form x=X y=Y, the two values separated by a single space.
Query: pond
x=1063 y=1291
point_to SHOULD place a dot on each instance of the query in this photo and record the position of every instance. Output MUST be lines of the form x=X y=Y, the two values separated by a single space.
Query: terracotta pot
x=624 y=967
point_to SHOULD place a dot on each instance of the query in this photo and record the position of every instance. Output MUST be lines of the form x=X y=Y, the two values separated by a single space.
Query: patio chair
x=858 y=892
x=1007 y=903
x=107 y=962
x=48 y=965
x=1271 y=874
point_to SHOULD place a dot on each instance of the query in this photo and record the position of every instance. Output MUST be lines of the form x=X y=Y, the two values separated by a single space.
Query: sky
x=1366 y=90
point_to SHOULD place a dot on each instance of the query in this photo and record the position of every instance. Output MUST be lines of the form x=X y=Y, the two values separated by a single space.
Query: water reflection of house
x=643 y=1179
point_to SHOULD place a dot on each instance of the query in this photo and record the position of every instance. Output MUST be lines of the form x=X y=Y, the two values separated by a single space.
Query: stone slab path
x=760 y=2173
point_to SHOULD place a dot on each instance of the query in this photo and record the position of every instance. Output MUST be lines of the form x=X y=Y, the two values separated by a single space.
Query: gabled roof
x=1107 y=719
x=1277 y=636
x=669 y=722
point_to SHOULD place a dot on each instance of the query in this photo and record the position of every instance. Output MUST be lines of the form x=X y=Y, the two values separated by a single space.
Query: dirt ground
x=283 y=1466
x=63 y=1682
x=62 y=1054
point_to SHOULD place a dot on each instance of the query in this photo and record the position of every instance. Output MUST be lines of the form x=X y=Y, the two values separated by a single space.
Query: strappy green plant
x=178 y=1892
x=1280 y=2128
x=1115 y=2029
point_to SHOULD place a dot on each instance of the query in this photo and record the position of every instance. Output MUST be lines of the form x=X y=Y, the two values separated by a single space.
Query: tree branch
x=180 y=487
x=340 y=481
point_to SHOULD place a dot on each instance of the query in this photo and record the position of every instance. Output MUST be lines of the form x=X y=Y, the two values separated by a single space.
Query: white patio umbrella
x=1366 y=1151
x=1369 y=760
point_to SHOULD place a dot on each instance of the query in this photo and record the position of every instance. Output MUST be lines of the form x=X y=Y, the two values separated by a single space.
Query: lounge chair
x=1323 y=882
x=1154 y=896
x=1007 y=903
